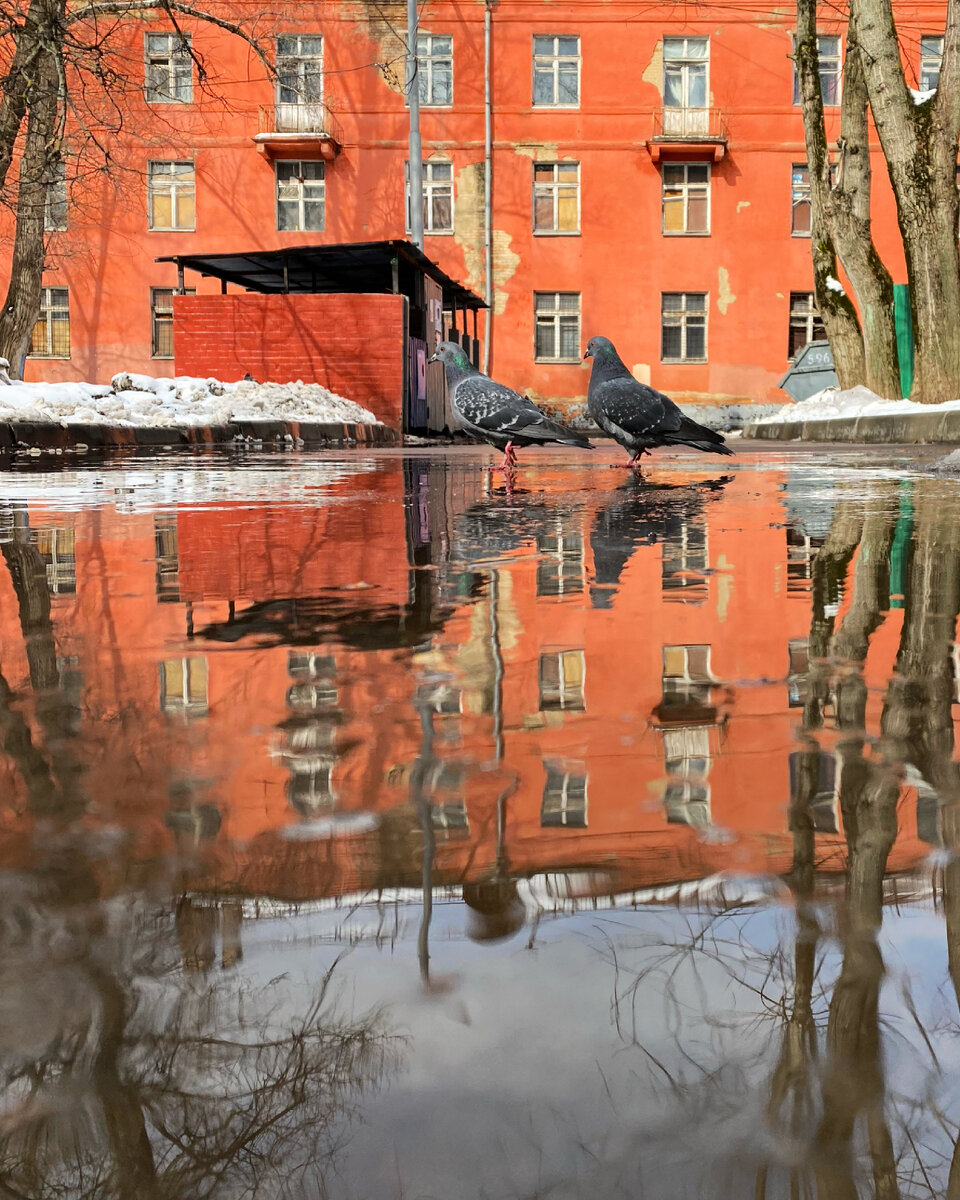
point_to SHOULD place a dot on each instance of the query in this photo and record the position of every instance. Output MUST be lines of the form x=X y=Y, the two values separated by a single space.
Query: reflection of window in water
x=57 y=547
x=686 y=680
x=561 y=677
x=687 y=802
x=309 y=787
x=683 y=564
x=167 y=558
x=443 y=698
x=564 y=798
x=445 y=776
x=183 y=686
x=71 y=691
x=797 y=676
x=450 y=817
x=801 y=551
x=560 y=569
x=310 y=737
x=315 y=688
x=823 y=803
x=311 y=666
x=308 y=697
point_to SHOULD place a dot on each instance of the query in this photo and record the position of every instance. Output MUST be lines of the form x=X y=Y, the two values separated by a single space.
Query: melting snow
x=855 y=402
x=922 y=97
x=835 y=285
x=142 y=400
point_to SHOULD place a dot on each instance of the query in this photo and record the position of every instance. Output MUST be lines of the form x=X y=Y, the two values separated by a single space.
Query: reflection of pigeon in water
x=639 y=417
x=495 y=413
x=642 y=516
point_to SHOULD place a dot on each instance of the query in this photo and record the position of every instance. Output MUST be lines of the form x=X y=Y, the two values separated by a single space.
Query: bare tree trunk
x=836 y=309
x=920 y=145
x=16 y=85
x=41 y=153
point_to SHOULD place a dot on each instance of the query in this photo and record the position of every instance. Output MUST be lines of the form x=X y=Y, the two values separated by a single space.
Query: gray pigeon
x=639 y=417
x=495 y=413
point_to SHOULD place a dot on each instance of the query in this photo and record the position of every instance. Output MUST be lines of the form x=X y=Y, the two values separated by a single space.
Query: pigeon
x=639 y=417
x=495 y=413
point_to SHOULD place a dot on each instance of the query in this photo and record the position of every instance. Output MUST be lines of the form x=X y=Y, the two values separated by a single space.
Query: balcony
x=682 y=132
x=299 y=131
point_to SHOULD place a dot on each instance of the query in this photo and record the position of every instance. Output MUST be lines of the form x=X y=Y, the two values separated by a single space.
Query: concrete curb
x=915 y=428
x=47 y=435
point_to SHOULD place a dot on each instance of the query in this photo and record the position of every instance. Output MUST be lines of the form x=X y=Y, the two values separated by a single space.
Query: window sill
x=800 y=235
x=556 y=233
x=435 y=233
x=683 y=233
x=164 y=229
x=170 y=101
x=684 y=362
x=51 y=357
x=555 y=107
x=558 y=362
x=161 y=358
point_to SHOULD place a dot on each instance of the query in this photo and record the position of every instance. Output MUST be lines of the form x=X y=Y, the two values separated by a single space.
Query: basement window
x=51 y=334
x=805 y=323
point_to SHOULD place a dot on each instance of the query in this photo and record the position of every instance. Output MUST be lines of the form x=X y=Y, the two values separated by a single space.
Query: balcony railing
x=300 y=125
x=689 y=125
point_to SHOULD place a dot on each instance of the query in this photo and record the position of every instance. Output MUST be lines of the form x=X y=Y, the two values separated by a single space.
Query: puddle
x=366 y=831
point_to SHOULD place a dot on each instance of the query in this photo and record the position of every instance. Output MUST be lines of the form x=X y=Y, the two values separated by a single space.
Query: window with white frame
x=830 y=63
x=557 y=317
x=169 y=68
x=560 y=570
x=556 y=197
x=51 y=334
x=300 y=195
x=805 y=323
x=437 y=196
x=686 y=62
x=435 y=69
x=686 y=751
x=556 y=71
x=171 y=194
x=183 y=686
x=57 y=547
x=800 y=211
x=686 y=680
x=564 y=801
x=683 y=326
x=931 y=55
x=161 y=320
x=299 y=68
x=686 y=802
x=561 y=676
x=55 y=201
x=684 y=564
x=686 y=198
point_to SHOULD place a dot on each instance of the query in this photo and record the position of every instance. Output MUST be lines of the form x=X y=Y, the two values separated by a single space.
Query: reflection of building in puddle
x=689 y=724
x=561 y=676
x=687 y=756
x=684 y=564
x=308 y=749
x=199 y=923
x=823 y=805
x=801 y=552
x=56 y=546
x=798 y=651
x=564 y=801
x=560 y=566
x=183 y=686
x=167 y=559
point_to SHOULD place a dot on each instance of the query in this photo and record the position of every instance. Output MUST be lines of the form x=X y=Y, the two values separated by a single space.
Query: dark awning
x=347 y=267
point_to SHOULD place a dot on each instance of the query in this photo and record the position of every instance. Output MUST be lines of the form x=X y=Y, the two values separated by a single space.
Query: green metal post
x=903 y=320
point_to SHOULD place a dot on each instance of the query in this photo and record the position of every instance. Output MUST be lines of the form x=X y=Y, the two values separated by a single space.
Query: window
x=55 y=204
x=683 y=327
x=561 y=677
x=437 y=196
x=686 y=751
x=931 y=52
x=435 y=69
x=183 y=686
x=686 y=680
x=556 y=71
x=557 y=316
x=823 y=802
x=57 y=547
x=686 y=198
x=556 y=197
x=800 y=200
x=564 y=800
x=299 y=69
x=315 y=688
x=560 y=569
x=686 y=61
x=828 y=54
x=171 y=191
x=798 y=651
x=51 y=334
x=161 y=316
x=801 y=552
x=167 y=559
x=450 y=817
x=687 y=803
x=805 y=323
x=169 y=68
x=684 y=564
x=309 y=786
x=300 y=195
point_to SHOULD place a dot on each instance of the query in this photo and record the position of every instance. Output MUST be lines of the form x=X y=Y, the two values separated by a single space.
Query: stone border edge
x=897 y=428
x=48 y=435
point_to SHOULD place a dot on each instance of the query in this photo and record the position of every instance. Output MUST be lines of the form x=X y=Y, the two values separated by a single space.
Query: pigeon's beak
x=434 y=358
x=588 y=353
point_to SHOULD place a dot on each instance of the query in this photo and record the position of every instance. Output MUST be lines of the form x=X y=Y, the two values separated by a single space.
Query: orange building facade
x=647 y=175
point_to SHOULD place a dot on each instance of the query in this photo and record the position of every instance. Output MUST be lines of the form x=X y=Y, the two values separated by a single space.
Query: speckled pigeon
x=639 y=417
x=495 y=413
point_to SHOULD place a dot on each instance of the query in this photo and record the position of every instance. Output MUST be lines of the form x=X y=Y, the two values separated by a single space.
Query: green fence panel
x=903 y=320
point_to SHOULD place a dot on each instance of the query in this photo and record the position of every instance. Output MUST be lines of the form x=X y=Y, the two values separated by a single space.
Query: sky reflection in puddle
x=673 y=758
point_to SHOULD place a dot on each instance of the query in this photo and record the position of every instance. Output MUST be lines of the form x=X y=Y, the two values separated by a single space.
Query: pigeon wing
x=493 y=408
x=637 y=409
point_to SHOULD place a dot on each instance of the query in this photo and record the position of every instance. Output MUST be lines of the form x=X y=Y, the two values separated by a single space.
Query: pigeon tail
x=691 y=434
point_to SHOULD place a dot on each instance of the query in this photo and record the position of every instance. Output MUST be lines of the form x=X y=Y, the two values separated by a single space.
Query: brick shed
x=360 y=318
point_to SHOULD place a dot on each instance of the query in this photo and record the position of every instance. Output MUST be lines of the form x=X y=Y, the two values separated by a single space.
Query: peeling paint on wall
x=725 y=296
x=538 y=151
x=468 y=224
x=654 y=72
x=741 y=204
x=387 y=21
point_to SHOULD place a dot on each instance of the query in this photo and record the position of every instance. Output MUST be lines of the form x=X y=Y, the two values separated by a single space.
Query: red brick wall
x=352 y=344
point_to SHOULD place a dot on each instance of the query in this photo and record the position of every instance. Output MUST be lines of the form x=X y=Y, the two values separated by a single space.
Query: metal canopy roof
x=347 y=267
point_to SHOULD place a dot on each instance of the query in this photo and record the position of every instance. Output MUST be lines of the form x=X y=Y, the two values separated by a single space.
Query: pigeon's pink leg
x=632 y=464
x=509 y=460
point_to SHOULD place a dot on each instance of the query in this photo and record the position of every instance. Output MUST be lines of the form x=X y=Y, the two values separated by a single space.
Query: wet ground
x=368 y=832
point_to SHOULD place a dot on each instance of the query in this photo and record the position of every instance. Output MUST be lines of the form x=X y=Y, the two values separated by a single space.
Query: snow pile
x=142 y=400
x=921 y=97
x=832 y=404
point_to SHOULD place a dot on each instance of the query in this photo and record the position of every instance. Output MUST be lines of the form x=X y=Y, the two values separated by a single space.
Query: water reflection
x=709 y=722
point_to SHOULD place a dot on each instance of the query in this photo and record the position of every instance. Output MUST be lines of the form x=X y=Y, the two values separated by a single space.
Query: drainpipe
x=487 y=185
x=416 y=148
